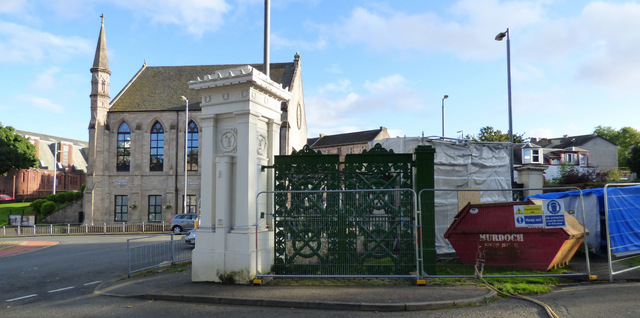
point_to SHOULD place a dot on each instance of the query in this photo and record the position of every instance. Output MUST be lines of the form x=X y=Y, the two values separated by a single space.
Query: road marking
x=61 y=289
x=53 y=291
x=23 y=297
x=93 y=283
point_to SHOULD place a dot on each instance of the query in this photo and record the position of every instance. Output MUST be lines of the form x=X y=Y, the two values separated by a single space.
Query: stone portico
x=240 y=134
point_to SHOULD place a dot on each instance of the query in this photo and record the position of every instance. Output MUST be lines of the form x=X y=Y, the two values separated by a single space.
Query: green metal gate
x=351 y=218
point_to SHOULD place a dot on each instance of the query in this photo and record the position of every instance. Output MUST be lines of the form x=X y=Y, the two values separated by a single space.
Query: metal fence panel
x=144 y=255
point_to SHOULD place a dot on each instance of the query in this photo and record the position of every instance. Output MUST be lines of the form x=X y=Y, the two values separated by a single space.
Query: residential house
x=527 y=154
x=585 y=152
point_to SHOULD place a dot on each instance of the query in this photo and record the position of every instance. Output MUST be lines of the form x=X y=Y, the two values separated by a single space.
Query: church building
x=139 y=140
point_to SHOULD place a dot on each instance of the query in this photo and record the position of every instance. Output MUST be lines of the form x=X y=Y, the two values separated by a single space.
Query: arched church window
x=193 y=145
x=157 y=148
x=123 y=161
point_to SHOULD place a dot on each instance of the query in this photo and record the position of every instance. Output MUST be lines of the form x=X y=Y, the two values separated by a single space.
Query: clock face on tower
x=299 y=116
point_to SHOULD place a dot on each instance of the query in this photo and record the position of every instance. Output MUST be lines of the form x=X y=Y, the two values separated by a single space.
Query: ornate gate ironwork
x=351 y=218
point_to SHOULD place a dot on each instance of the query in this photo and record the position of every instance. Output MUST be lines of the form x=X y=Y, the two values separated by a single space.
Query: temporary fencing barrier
x=622 y=217
x=142 y=254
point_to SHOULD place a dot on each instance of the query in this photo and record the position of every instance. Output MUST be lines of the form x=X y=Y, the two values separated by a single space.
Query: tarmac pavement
x=393 y=295
x=598 y=298
x=177 y=286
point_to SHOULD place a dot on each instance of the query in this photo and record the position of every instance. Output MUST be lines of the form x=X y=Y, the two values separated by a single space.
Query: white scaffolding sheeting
x=459 y=165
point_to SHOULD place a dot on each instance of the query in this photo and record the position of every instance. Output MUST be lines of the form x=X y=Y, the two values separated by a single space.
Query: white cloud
x=392 y=92
x=340 y=86
x=324 y=111
x=612 y=60
x=12 y=6
x=333 y=69
x=338 y=108
x=23 y=44
x=280 y=42
x=46 y=80
x=39 y=103
x=593 y=46
x=197 y=16
x=426 y=32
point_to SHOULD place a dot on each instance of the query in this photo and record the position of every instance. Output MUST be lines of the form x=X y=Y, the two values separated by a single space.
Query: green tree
x=633 y=162
x=625 y=138
x=487 y=133
x=47 y=208
x=37 y=204
x=16 y=152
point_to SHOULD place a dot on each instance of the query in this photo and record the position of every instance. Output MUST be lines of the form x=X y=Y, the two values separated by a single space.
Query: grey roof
x=50 y=138
x=46 y=150
x=569 y=141
x=344 y=139
x=526 y=145
x=156 y=88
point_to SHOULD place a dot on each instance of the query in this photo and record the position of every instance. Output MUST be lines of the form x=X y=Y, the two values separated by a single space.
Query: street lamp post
x=186 y=148
x=499 y=37
x=55 y=167
x=443 y=98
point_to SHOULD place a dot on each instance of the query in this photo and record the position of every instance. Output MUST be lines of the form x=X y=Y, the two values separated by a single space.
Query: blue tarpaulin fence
x=623 y=205
x=623 y=215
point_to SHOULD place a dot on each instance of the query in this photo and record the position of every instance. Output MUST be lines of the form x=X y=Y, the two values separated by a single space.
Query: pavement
x=175 y=284
x=392 y=295
x=376 y=295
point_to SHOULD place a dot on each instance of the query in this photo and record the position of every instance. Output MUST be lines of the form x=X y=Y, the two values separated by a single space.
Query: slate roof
x=46 y=150
x=569 y=141
x=344 y=139
x=157 y=88
x=50 y=138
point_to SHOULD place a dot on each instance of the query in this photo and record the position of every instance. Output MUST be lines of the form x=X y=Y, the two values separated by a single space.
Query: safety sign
x=553 y=213
x=528 y=216
x=548 y=215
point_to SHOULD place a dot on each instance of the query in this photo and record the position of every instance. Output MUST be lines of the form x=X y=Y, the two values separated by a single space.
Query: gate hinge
x=267 y=167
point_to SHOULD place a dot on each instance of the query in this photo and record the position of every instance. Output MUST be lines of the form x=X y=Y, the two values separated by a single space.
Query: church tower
x=100 y=82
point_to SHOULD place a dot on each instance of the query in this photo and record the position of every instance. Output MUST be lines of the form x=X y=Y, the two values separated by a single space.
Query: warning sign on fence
x=548 y=215
x=553 y=213
x=528 y=215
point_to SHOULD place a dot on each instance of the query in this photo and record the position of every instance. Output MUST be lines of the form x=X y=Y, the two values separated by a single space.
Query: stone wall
x=67 y=215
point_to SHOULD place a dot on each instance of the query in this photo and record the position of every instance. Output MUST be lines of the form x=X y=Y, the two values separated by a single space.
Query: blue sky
x=365 y=63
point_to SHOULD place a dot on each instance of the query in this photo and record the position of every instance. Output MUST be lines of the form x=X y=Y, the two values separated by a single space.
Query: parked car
x=183 y=222
x=6 y=198
x=190 y=238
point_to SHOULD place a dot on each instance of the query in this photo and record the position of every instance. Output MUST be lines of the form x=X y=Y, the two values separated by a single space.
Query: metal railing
x=143 y=254
x=70 y=229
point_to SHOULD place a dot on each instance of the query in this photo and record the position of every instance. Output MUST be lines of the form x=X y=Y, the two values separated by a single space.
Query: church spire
x=101 y=60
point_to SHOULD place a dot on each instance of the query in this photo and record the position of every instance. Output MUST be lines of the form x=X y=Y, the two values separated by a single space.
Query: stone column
x=241 y=124
x=531 y=176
